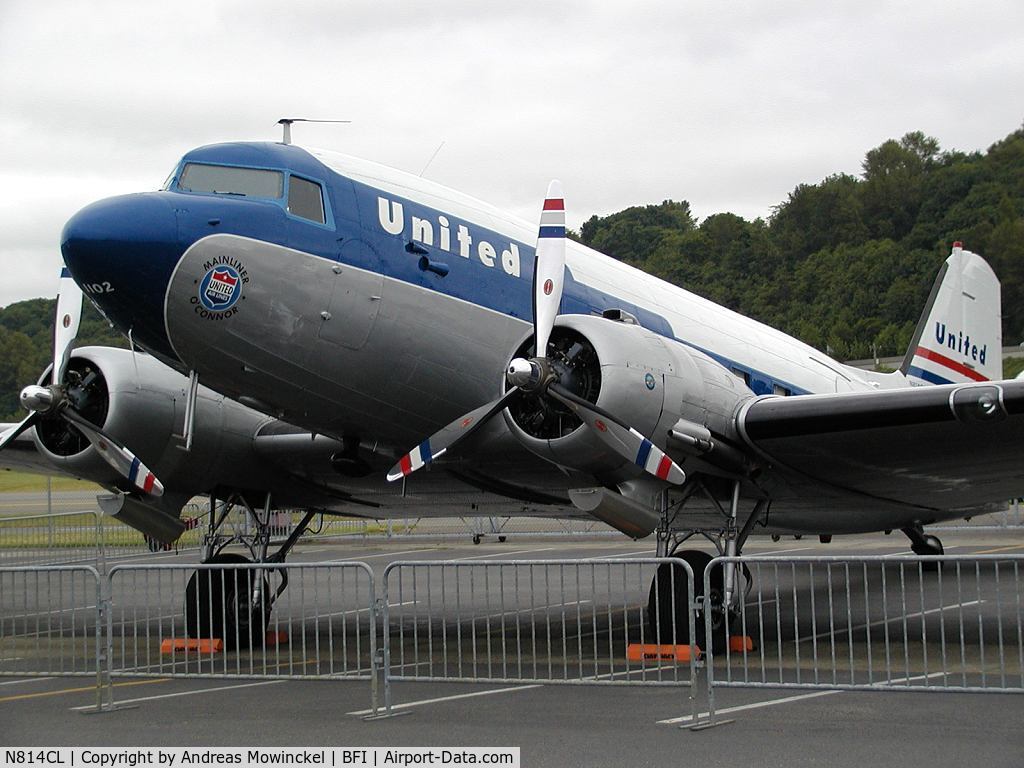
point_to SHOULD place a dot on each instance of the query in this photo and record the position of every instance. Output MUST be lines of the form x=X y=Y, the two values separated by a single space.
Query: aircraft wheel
x=219 y=604
x=667 y=617
x=928 y=545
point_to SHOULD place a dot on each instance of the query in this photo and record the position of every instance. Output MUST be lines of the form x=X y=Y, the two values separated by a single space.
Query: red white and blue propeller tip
x=552 y=217
x=549 y=268
x=117 y=456
x=415 y=459
x=654 y=460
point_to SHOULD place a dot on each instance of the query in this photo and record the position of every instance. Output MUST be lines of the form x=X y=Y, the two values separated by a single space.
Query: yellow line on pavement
x=78 y=690
x=999 y=549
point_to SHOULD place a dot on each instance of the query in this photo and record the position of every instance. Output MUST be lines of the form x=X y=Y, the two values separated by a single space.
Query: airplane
x=366 y=309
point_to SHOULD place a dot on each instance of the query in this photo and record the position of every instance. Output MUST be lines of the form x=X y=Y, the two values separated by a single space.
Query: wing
x=943 y=448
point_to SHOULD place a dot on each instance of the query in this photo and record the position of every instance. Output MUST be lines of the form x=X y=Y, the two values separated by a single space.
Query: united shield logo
x=220 y=288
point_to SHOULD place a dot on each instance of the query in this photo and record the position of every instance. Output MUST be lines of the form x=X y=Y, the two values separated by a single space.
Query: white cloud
x=728 y=106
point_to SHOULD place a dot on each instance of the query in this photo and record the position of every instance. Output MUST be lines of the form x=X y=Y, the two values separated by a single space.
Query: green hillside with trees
x=26 y=346
x=845 y=264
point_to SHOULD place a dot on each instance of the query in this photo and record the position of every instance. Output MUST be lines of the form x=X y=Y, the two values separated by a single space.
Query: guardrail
x=321 y=626
x=51 y=623
x=85 y=536
x=953 y=623
x=538 y=621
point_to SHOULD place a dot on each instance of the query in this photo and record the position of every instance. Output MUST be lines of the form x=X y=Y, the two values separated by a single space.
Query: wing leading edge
x=944 y=448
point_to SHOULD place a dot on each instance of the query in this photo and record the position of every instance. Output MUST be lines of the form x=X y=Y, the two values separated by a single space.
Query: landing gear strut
x=668 y=604
x=233 y=603
x=922 y=543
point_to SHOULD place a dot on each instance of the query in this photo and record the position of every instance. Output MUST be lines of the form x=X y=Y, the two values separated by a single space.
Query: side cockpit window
x=306 y=200
x=230 y=180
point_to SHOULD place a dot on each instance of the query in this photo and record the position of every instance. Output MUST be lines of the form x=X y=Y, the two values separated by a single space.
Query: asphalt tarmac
x=555 y=725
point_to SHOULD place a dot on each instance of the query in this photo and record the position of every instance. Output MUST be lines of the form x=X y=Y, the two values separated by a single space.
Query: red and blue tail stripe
x=947 y=363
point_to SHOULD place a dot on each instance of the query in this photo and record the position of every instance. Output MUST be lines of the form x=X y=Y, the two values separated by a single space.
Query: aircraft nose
x=122 y=251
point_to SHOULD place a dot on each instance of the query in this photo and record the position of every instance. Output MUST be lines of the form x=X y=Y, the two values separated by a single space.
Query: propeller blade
x=438 y=443
x=621 y=438
x=65 y=327
x=548 y=268
x=117 y=456
x=10 y=435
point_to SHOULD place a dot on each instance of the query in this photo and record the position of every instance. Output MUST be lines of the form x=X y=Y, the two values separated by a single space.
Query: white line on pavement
x=846 y=631
x=27 y=680
x=423 y=702
x=504 y=555
x=789 y=699
x=185 y=693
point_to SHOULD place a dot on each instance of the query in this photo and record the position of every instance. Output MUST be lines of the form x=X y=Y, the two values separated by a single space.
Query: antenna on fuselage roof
x=287 y=123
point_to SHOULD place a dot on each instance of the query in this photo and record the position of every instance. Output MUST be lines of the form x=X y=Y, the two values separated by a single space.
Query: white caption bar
x=381 y=757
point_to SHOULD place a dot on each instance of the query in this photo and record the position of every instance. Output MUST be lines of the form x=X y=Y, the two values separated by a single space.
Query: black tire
x=667 y=616
x=929 y=545
x=218 y=604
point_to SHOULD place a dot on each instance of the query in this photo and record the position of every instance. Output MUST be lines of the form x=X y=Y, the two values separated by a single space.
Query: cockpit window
x=169 y=181
x=228 y=180
x=305 y=199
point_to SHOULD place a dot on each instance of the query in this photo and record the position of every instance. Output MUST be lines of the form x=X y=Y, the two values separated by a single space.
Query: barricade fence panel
x=232 y=620
x=868 y=623
x=50 y=620
x=552 y=621
x=909 y=623
x=85 y=536
x=50 y=539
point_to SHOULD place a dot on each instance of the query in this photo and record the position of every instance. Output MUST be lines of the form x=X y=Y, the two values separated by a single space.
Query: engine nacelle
x=644 y=379
x=141 y=402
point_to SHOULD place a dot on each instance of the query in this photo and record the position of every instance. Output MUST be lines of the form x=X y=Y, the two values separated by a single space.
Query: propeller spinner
x=53 y=402
x=536 y=376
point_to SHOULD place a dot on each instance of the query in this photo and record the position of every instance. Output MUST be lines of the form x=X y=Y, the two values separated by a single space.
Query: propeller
x=53 y=402
x=537 y=377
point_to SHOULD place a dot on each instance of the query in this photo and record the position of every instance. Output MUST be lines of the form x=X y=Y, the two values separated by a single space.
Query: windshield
x=228 y=180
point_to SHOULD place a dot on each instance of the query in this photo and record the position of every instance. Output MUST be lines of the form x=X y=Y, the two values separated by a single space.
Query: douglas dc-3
x=338 y=313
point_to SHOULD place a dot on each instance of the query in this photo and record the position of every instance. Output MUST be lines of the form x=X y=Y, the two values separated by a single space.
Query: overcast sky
x=728 y=105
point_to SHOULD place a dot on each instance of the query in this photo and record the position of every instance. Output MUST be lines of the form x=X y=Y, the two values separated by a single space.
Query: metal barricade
x=230 y=620
x=539 y=621
x=50 y=539
x=86 y=536
x=50 y=621
x=953 y=623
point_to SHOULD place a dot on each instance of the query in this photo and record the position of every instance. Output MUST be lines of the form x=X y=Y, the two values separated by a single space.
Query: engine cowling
x=644 y=379
x=141 y=402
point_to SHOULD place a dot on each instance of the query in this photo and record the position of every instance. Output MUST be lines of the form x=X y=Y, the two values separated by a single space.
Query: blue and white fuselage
x=125 y=252
x=374 y=306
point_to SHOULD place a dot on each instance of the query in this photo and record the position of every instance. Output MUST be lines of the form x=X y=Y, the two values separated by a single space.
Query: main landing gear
x=717 y=601
x=922 y=543
x=233 y=603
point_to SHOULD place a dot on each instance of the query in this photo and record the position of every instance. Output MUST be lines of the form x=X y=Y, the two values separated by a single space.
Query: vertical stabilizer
x=959 y=338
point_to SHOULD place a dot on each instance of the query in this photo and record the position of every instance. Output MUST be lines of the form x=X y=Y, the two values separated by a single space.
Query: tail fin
x=959 y=338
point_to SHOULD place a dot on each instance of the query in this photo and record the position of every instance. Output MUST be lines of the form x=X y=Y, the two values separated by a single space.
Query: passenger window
x=745 y=375
x=778 y=389
x=305 y=199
